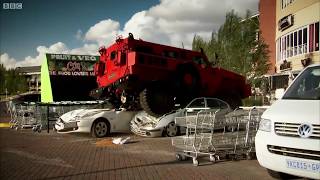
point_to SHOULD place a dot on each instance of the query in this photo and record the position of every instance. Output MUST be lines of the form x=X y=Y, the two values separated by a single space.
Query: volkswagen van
x=288 y=140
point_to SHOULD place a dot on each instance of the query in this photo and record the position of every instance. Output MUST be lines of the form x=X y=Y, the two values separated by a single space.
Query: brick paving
x=28 y=155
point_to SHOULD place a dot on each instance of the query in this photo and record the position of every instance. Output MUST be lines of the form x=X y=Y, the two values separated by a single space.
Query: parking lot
x=28 y=155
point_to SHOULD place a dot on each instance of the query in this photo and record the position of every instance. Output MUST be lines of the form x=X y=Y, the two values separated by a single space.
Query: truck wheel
x=156 y=101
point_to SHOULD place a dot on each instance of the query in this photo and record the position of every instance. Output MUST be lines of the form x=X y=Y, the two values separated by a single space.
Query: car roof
x=313 y=65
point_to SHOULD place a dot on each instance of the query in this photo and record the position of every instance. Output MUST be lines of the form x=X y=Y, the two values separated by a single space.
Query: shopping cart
x=245 y=123
x=234 y=143
x=24 y=115
x=198 y=139
x=13 y=114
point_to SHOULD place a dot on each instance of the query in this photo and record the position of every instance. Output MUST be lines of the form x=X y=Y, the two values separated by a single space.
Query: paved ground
x=28 y=155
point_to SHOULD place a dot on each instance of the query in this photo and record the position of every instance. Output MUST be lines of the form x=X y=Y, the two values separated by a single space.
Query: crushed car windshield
x=306 y=86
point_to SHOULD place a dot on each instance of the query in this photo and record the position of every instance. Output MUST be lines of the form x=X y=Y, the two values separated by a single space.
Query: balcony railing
x=293 y=51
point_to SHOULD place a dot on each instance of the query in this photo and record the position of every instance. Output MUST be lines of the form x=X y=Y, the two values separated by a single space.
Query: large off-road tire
x=156 y=100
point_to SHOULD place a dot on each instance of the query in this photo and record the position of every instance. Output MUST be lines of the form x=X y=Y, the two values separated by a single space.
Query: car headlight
x=148 y=126
x=265 y=125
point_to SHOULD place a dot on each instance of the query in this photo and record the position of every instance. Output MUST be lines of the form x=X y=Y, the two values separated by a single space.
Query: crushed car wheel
x=171 y=130
x=100 y=129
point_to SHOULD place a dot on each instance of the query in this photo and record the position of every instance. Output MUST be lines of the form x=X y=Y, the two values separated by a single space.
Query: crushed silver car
x=148 y=126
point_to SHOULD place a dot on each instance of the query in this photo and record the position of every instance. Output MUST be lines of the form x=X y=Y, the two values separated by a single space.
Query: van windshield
x=306 y=86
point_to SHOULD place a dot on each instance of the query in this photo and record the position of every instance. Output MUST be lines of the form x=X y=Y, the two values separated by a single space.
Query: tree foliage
x=236 y=47
x=11 y=81
x=2 y=78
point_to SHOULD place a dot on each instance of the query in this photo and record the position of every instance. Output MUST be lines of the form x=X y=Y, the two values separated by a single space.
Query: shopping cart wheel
x=180 y=157
x=16 y=128
x=195 y=161
x=39 y=130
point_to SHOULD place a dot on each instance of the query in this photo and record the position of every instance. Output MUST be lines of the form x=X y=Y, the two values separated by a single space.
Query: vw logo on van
x=305 y=130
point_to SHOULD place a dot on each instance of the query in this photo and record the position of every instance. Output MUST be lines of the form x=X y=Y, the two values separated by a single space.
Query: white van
x=288 y=139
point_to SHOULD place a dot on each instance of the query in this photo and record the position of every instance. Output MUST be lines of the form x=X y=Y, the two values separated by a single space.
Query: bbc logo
x=12 y=6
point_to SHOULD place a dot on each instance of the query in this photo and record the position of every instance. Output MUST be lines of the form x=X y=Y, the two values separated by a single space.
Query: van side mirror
x=279 y=93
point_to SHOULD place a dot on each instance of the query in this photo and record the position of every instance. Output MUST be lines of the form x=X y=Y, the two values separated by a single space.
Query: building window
x=314 y=37
x=300 y=41
x=316 y=41
x=285 y=3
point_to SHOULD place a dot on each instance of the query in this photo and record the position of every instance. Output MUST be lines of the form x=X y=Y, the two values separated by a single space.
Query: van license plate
x=303 y=165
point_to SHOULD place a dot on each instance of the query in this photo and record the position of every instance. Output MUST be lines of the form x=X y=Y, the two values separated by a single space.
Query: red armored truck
x=137 y=73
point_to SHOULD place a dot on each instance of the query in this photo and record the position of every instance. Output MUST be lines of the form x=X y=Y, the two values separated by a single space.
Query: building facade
x=267 y=20
x=32 y=74
x=297 y=34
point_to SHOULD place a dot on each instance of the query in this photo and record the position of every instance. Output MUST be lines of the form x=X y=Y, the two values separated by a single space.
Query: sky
x=82 y=26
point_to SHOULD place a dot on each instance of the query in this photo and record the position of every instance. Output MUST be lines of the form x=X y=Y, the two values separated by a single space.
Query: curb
x=5 y=125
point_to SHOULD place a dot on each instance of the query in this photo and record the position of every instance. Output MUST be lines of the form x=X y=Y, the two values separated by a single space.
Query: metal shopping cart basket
x=245 y=123
x=198 y=138
x=23 y=115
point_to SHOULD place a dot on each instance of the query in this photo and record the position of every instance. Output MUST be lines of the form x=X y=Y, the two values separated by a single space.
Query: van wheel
x=100 y=128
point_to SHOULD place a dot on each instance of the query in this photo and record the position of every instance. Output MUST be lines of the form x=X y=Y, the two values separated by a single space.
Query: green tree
x=235 y=47
x=2 y=79
x=12 y=81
